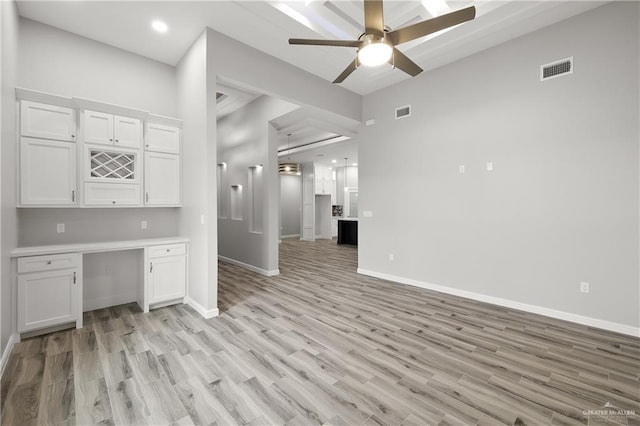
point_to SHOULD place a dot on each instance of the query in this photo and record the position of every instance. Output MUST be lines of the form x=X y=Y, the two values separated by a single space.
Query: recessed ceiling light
x=159 y=26
x=355 y=164
x=334 y=161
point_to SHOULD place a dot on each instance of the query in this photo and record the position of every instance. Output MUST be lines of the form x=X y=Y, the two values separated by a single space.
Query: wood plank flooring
x=320 y=344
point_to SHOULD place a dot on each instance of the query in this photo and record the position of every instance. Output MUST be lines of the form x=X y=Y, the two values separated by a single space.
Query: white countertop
x=95 y=247
x=353 y=219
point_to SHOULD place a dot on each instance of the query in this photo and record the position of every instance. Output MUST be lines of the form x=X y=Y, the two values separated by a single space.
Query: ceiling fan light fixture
x=375 y=52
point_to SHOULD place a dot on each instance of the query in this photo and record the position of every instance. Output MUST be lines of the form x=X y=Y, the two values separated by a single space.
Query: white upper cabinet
x=161 y=138
x=47 y=121
x=47 y=172
x=127 y=131
x=98 y=127
x=108 y=129
x=161 y=179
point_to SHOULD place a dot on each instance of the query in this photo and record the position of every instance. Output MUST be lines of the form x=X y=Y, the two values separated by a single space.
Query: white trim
x=260 y=271
x=284 y=237
x=15 y=338
x=206 y=313
x=107 y=301
x=566 y=316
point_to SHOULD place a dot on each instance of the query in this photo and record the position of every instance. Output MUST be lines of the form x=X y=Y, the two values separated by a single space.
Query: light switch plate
x=461 y=168
x=489 y=166
x=60 y=228
x=367 y=213
x=143 y=224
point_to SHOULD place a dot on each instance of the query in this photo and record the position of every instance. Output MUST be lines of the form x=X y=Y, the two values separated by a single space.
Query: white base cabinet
x=49 y=291
x=166 y=273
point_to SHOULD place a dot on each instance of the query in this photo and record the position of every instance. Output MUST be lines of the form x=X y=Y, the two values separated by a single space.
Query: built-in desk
x=49 y=279
x=348 y=230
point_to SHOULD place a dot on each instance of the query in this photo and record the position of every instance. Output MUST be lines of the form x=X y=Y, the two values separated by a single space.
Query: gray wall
x=245 y=65
x=9 y=24
x=290 y=205
x=196 y=92
x=561 y=205
x=243 y=142
x=38 y=226
x=60 y=62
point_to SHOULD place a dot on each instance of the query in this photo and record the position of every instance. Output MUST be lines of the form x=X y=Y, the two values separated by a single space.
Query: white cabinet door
x=162 y=179
x=47 y=298
x=127 y=131
x=167 y=278
x=161 y=138
x=98 y=127
x=112 y=194
x=47 y=121
x=47 y=172
x=108 y=129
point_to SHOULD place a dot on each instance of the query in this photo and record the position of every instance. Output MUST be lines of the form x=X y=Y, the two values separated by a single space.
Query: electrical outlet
x=584 y=287
x=391 y=257
x=489 y=166
x=201 y=219
x=60 y=228
x=143 y=224
x=107 y=269
x=461 y=168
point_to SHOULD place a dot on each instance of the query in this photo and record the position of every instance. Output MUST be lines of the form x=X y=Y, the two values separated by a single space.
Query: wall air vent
x=404 y=111
x=556 y=69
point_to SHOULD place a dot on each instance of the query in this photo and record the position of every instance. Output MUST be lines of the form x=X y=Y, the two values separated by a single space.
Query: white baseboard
x=15 y=338
x=534 y=309
x=105 y=302
x=284 y=237
x=206 y=313
x=249 y=267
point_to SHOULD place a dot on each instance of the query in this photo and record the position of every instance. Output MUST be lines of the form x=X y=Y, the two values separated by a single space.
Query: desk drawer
x=48 y=262
x=167 y=250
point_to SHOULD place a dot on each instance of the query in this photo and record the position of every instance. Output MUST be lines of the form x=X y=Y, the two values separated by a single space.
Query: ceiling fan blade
x=421 y=29
x=348 y=70
x=313 y=42
x=373 y=18
x=401 y=61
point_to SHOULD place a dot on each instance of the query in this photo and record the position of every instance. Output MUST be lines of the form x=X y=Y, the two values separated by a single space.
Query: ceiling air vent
x=556 y=69
x=404 y=111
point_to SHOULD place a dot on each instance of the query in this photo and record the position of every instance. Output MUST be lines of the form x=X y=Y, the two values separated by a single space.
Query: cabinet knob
x=117 y=140
x=73 y=136
x=168 y=250
x=48 y=262
x=110 y=140
x=113 y=202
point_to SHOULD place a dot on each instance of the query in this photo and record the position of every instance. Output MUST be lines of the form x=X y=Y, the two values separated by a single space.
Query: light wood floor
x=320 y=344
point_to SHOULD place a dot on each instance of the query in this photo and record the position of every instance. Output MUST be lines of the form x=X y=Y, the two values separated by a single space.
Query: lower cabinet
x=49 y=291
x=166 y=273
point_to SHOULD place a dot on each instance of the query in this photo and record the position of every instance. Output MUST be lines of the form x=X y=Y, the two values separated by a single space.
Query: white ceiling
x=268 y=25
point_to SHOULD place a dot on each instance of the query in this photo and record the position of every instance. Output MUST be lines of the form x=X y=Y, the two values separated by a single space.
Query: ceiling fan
x=377 y=44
